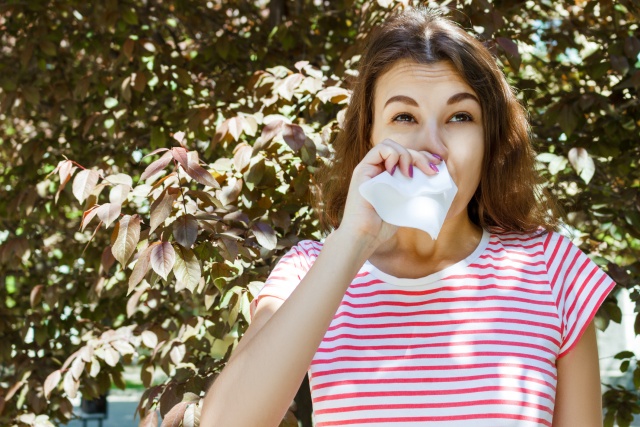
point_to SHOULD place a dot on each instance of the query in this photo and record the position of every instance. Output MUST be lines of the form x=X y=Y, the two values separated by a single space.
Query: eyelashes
x=456 y=118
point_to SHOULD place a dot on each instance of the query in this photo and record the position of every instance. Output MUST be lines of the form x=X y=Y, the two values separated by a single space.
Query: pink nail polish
x=394 y=169
x=436 y=156
x=434 y=168
x=410 y=171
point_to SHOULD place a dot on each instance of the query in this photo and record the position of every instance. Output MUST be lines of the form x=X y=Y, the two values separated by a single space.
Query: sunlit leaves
x=265 y=235
x=162 y=259
x=128 y=237
x=186 y=268
x=84 y=182
x=51 y=382
x=582 y=163
x=157 y=165
x=162 y=207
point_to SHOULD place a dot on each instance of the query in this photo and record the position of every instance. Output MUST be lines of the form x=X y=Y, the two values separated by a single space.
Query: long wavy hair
x=508 y=197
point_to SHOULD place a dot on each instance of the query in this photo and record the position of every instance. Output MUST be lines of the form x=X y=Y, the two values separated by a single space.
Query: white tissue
x=420 y=202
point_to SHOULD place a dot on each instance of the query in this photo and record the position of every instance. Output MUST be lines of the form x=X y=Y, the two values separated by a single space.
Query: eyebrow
x=458 y=97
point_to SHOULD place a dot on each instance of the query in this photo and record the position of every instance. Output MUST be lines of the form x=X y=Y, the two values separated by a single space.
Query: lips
x=420 y=202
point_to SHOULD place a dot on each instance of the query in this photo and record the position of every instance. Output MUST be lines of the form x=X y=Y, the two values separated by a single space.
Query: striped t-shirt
x=475 y=344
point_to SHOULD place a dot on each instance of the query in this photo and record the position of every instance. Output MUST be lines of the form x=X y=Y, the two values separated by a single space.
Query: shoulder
x=531 y=243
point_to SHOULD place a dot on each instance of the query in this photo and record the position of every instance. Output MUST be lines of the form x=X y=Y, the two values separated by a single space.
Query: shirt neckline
x=420 y=281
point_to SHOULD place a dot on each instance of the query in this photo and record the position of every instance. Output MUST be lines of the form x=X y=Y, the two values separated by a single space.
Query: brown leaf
x=142 y=267
x=132 y=303
x=231 y=192
x=242 y=156
x=185 y=230
x=511 y=48
x=84 y=183
x=157 y=166
x=294 y=136
x=162 y=207
x=51 y=382
x=270 y=131
x=187 y=268
x=106 y=260
x=128 y=237
x=162 y=259
x=149 y=420
x=108 y=212
x=88 y=215
x=146 y=374
x=265 y=235
x=199 y=173
x=36 y=295
x=66 y=170
x=127 y=48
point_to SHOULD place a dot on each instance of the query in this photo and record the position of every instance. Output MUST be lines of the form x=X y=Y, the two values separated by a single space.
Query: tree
x=206 y=123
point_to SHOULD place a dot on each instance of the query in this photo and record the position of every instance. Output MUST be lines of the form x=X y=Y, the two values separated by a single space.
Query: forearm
x=259 y=383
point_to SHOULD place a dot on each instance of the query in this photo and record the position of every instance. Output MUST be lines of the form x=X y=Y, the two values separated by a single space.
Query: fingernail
x=410 y=171
x=434 y=168
x=394 y=169
x=436 y=156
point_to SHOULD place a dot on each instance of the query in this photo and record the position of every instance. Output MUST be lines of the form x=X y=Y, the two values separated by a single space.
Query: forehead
x=410 y=75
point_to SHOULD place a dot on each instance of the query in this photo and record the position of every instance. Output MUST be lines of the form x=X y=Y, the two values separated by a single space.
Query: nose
x=428 y=137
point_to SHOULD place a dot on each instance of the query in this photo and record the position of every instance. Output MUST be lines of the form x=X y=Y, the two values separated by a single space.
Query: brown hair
x=507 y=198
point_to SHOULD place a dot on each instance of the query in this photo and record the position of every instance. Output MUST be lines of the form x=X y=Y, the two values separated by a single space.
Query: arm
x=578 y=396
x=262 y=377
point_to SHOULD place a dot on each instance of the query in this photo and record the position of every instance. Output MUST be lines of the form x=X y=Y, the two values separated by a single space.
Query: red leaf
x=265 y=235
x=180 y=154
x=162 y=207
x=185 y=230
x=294 y=136
x=157 y=166
x=511 y=48
x=88 y=215
x=84 y=183
x=108 y=213
x=242 y=157
x=128 y=237
x=36 y=295
x=159 y=150
x=199 y=173
x=142 y=267
x=162 y=259
x=269 y=132
x=106 y=260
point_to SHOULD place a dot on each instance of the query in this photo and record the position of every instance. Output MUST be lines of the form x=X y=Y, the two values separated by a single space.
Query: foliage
x=158 y=157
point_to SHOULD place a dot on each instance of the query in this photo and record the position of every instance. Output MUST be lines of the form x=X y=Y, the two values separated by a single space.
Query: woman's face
x=431 y=108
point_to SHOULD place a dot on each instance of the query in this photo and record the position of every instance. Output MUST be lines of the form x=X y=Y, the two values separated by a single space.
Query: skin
x=436 y=122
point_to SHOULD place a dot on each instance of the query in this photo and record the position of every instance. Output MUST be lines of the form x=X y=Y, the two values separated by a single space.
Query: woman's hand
x=360 y=218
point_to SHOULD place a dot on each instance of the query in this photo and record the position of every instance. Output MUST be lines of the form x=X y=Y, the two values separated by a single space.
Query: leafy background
x=158 y=157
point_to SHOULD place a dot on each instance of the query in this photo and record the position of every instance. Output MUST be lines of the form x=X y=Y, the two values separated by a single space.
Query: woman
x=489 y=325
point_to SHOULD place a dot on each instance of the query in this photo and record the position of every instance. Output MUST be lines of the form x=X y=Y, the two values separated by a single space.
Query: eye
x=403 y=117
x=461 y=117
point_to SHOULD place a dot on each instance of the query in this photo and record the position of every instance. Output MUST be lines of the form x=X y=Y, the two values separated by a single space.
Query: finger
x=424 y=162
x=382 y=155
x=405 y=159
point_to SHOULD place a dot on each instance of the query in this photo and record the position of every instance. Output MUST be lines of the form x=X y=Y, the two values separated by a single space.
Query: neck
x=458 y=238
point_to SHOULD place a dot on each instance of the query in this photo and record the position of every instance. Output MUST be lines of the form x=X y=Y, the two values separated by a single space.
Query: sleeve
x=288 y=272
x=578 y=286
